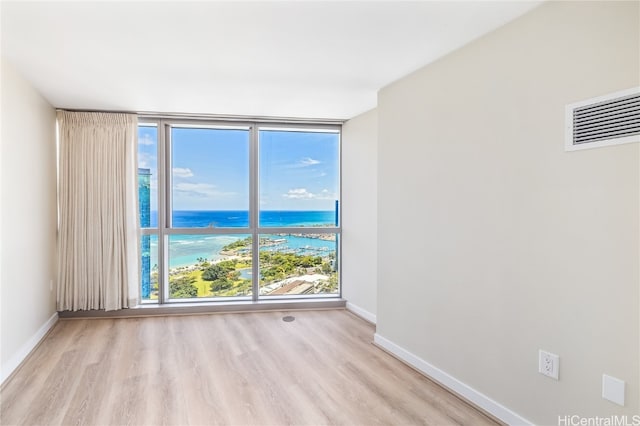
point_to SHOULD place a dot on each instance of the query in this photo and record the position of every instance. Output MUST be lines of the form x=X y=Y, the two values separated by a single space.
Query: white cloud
x=304 y=162
x=199 y=190
x=146 y=140
x=325 y=194
x=303 y=194
x=298 y=193
x=182 y=172
x=146 y=161
x=308 y=162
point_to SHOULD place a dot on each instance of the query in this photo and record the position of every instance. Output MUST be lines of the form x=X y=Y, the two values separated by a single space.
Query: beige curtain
x=98 y=248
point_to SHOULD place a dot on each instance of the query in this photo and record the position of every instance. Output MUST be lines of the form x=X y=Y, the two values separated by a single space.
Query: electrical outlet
x=548 y=364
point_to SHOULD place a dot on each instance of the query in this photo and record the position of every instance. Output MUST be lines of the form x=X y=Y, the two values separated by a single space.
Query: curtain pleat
x=97 y=242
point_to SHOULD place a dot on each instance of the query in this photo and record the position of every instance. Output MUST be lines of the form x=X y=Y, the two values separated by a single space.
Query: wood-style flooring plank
x=224 y=369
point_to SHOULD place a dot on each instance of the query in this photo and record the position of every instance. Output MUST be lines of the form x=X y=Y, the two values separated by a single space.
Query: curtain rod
x=218 y=117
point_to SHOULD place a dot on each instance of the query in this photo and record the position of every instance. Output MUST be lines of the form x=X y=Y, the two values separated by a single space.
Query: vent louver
x=608 y=120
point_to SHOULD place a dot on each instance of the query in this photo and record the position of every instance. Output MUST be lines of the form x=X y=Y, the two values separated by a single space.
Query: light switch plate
x=613 y=389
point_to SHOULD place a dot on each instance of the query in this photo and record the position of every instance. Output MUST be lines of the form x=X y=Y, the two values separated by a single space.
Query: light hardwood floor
x=232 y=369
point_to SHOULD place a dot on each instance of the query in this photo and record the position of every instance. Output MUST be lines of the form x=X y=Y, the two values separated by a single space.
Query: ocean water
x=185 y=250
x=240 y=218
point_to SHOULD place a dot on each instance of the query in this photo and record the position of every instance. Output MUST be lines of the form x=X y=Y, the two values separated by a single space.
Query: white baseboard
x=10 y=366
x=364 y=314
x=450 y=382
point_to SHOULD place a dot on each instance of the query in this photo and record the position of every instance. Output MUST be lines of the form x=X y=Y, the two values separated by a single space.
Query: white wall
x=28 y=223
x=496 y=242
x=359 y=214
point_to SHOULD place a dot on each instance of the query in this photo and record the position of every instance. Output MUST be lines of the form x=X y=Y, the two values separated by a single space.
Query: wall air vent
x=607 y=120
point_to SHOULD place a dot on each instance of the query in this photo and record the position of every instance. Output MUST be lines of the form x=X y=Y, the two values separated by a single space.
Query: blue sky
x=298 y=170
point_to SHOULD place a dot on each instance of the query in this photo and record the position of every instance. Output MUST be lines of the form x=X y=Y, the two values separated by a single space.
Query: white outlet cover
x=613 y=389
x=548 y=364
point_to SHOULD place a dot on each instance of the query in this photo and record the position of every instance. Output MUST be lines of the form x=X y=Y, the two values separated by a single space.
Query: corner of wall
x=359 y=214
x=28 y=228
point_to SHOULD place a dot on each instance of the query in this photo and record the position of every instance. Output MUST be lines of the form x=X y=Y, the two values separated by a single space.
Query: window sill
x=209 y=308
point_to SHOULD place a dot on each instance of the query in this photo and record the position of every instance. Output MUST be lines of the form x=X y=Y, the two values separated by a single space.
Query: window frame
x=164 y=203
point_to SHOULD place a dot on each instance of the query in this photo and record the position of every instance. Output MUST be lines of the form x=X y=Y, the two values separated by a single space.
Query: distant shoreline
x=217 y=254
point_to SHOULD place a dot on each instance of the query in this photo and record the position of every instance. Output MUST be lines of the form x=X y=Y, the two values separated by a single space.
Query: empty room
x=320 y=212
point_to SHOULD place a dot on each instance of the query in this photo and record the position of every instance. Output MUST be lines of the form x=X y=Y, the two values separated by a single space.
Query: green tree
x=218 y=271
x=182 y=287
x=221 y=284
x=238 y=244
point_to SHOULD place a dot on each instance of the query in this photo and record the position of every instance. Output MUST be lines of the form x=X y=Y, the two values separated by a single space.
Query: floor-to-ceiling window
x=238 y=211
